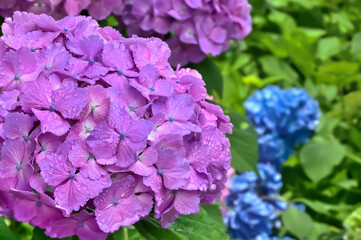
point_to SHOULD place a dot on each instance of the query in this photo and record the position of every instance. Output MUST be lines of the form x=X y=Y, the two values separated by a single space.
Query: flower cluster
x=254 y=204
x=57 y=9
x=198 y=27
x=96 y=130
x=283 y=120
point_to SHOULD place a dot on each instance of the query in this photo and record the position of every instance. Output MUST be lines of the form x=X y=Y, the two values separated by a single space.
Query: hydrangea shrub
x=198 y=27
x=98 y=131
x=254 y=204
x=283 y=120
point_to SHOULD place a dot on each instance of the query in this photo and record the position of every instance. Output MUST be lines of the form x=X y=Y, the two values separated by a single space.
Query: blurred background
x=313 y=45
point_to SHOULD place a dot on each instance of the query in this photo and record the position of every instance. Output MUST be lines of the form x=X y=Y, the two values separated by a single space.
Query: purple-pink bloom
x=175 y=116
x=9 y=100
x=93 y=122
x=82 y=158
x=150 y=83
x=17 y=68
x=122 y=204
x=15 y=164
x=18 y=125
x=90 y=64
x=177 y=202
x=72 y=189
x=120 y=135
x=198 y=27
x=52 y=105
x=98 y=104
x=47 y=144
x=82 y=224
x=53 y=58
x=37 y=209
x=168 y=174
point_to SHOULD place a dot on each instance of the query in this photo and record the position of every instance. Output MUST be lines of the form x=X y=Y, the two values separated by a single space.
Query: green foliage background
x=315 y=45
x=310 y=44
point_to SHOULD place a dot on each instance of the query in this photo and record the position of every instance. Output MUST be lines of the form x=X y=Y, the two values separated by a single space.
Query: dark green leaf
x=214 y=212
x=129 y=233
x=5 y=233
x=244 y=145
x=191 y=227
x=38 y=234
x=150 y=229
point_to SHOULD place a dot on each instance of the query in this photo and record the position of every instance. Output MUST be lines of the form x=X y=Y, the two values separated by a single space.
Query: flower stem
x=125 y=233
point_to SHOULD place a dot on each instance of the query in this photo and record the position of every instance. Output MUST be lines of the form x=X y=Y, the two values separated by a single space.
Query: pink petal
x=55 y=169
x=51 y=122
x=36 y=94
x=17 y=125
x=70 y=100
x=103 y=141
x=139 y=130
x=187 y=202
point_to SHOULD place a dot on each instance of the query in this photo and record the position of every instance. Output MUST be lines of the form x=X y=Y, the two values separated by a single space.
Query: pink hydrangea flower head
x=93 y=122
x=200 y=27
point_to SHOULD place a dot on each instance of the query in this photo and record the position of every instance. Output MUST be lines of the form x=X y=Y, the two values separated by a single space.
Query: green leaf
x=186 y=227
x=276 y=67
x=112 y=21
x=319 y=158
x=353 y=225
x=297 y=222
x=211 y=75
x=327 y=125
x=356 y=44
x=241 y=60
x=352 y=103
x=5 y=233
x=355 y=137
x=126 y=233
x=337 y=72
x=214 y=212
x=324 y=208
x=318 y=230
x=328 y=47
x=244 y=145
x=285 y=21
x=343 y=21
x=313 y=34
x=329 y=92
x=150 y=229
x=38 y=234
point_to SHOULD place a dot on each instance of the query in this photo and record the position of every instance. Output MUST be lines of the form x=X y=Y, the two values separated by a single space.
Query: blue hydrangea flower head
x=264 y=236
x=240 y=184
x=254 y=204
x=283 y=120
x=250 y=217
x=270 y=181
